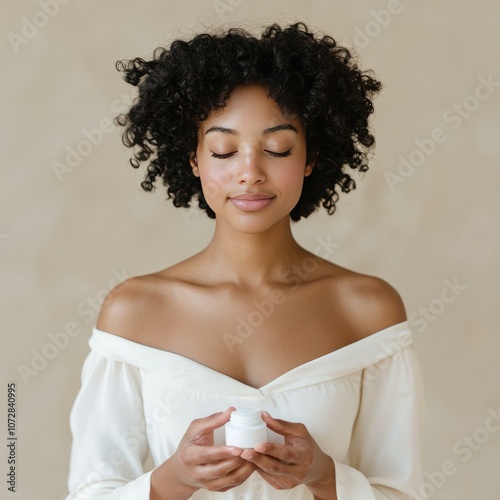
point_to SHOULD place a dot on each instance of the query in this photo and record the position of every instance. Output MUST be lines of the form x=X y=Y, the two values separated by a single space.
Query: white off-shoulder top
x=363 y=404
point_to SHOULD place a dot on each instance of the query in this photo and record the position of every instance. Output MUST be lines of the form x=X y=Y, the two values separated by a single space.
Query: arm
x=107 y=420
x=109 y=434
x=385 y=452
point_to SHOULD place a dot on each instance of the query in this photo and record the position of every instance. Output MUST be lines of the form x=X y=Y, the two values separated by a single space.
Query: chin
x=255 y=223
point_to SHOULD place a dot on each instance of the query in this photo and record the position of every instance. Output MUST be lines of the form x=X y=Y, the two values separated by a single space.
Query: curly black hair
x=308 y=76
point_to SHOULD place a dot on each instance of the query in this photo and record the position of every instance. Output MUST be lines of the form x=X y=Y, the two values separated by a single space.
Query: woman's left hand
x=298 y=461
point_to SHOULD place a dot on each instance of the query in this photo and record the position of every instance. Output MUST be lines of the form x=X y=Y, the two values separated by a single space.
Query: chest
x=254 y=338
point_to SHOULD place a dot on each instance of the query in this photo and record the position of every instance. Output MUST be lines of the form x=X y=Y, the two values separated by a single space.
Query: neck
x=253 y=259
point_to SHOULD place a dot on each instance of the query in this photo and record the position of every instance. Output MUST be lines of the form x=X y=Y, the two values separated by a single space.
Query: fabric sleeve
x=385 y=453
x=109 y=434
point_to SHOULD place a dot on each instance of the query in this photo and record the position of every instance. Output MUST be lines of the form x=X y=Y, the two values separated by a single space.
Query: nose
x=248 y=168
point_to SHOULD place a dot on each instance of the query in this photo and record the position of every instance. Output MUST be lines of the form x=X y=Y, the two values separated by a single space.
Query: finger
x=233 y=478
x=284 y=427
x=217 y=470
x=283 y=452
x=271 y=455
x=208 y=424
x=267 y=463
x=198 y=455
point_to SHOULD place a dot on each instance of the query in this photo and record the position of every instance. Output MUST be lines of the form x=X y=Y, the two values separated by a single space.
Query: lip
x=251 y=205
x=252 y=196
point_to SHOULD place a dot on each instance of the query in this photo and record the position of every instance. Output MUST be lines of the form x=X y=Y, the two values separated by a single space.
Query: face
x=249 y=149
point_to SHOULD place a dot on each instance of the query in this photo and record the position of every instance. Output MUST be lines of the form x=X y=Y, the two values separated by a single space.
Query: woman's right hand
x=198 y=464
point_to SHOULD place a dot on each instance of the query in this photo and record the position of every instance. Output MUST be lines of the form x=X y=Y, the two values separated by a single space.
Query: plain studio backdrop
x=75 y=221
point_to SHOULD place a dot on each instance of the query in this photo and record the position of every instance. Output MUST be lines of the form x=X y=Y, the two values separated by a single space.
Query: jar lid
x=246 y=416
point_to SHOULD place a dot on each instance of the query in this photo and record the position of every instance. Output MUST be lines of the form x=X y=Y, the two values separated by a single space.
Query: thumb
x=283 y=427
x=212 y=422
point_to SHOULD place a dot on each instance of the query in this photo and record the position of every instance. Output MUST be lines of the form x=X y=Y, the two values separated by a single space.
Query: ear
x=194 y=163
x=309 y=167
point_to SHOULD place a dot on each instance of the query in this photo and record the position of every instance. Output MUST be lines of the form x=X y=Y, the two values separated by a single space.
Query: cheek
x=213 y=181
x=291 y=180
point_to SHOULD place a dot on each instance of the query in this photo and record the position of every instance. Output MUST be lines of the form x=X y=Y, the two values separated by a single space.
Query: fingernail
x=260 y=448
x=235 y=452
x=265 y=413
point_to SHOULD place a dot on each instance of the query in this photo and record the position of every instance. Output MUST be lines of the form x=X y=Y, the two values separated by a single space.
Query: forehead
x=250 y=108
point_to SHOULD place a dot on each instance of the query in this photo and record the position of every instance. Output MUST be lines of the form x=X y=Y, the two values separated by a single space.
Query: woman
x=260 y=131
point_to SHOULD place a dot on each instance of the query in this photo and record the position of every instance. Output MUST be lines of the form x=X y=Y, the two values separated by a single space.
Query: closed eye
x=272 y=153
x=225 y=155
x=279 y=155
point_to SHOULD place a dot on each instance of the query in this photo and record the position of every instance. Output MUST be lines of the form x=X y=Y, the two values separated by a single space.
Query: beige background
x=63 y=238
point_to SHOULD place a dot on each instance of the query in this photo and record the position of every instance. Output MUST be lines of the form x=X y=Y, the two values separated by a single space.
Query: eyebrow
x=267 y=131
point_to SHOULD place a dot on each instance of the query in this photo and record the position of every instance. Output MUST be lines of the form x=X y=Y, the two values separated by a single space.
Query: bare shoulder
x=129 y=308
x=368 y=303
